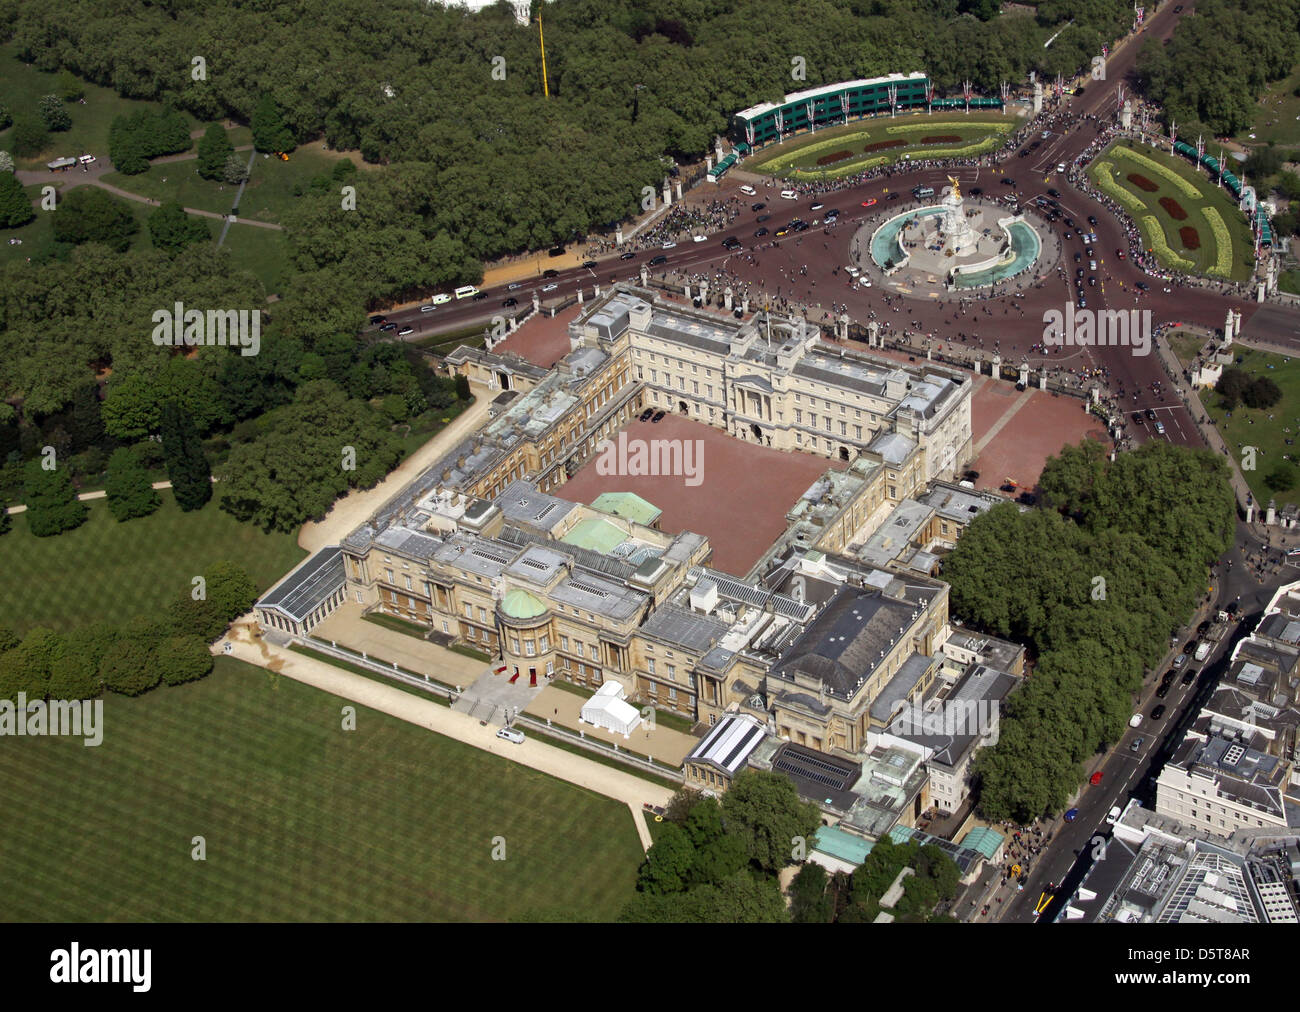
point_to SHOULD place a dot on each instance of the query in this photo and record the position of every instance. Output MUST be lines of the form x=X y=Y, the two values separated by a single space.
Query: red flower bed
x=882 y=145
x=838 y=156
x=1189 y=237
x=941 y=139
x=1174 y=209
x=1141 y=182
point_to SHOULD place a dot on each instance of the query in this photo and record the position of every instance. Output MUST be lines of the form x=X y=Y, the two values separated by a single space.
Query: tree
x=214 y=148
x=809 y=901
x=52 y=504
x=181 y=659
x=235 y=170
x=130 y=493
x=89 y=214
x=74 y=674
x=5 y=524
x=8 y=639
x=200 y=618
x=29 y=137
x=764 y=809
x=668 y=861
x=1261 y=394
x=6 y=162
x=172 y=229
x=462 y=387
x=70 y=87
x=6 y=118
x=15 y=205
x=230 y=589
x=127 y=666
x=269 y=130
x=187 y=466
x=1281 y=477
x=26 y=667
x=53 y=114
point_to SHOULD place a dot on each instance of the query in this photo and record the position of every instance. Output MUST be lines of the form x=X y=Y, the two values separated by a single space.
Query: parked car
x=645 y=415
x=557 y=251
x=550 y=272
x=1096 y=778
x=405 y=331
x=1160 y=428
x=1114 y=815
x=658 y=417
x=1158 y=712
x=441 y=299
x=1189 y=676
x=388 y=327
x=479 y=296
x=511 y=734
x=1137 y=745
x=375 y=321
x=427 y=309
x=1071 y=815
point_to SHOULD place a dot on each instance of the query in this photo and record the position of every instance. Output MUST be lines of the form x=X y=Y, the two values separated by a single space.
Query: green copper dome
x=521 y=604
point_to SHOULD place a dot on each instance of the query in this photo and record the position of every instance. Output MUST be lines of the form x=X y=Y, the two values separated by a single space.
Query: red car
x=1119 y=253
x=1095 y=779
x=871 y=202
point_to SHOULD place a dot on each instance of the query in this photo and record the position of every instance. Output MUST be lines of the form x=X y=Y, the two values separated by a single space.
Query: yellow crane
x=541 y=38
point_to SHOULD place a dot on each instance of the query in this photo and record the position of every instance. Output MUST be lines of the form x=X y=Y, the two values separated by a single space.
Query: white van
x=748 y=191
x=465 y=291
x=789 y=195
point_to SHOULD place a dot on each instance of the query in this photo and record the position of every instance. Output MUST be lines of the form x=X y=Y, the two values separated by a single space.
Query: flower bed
x=942 y=139
x=1141 y=182
x=1173 y=208
x=1156 y=237
x=1178 y=182
x=838 y=156
x=855 y=165
x=1106 y=182
x=882 y=145
x=903 y=128
x=1189 y=237
x=1222 y=243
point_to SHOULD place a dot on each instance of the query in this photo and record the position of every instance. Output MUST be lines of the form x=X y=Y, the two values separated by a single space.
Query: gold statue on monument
x=956 y=188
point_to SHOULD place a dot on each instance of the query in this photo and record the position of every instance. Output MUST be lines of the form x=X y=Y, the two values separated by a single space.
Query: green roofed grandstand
x=826 y=106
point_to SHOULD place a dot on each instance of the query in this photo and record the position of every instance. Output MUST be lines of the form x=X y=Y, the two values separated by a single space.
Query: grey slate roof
x=299 y=593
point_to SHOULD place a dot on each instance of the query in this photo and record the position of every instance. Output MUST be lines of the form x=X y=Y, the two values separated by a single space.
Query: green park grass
x=110 y=571
x=21 y=88
x=1277 y=115
x=798 y=155
x=301 y=820
x=1185 y=346
x=1119 y=166
x=38 y=234
x=1248 y=427
x=263 y=252
x=268 y=195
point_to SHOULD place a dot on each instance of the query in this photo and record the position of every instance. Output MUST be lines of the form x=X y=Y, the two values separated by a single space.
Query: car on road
x=388 y=326
x=1071 y=815
x=1008 y=182
x=748 y=190
x=869 y=202
x=760 y=233
x=479 y=296
x=731 y=243
x=626 y=256
x=557 y=251
x=427 y=309
x=782 y=231
x=757 y=206
x=1180 y=660
x=816 y=206
x=550 y=273
x=1151 y=415
x=1162 y=691
x=656 y=261
x=512 y=301
x=1137 y=745
x=1135 y=720
x=698 y=238
x=511 y=734
x=1158 y=712
x=1096 y=778
x=669 y=245
x=1189 y=676
x=762 y=218
x=1119 y=253
x=551 y=287
x=1160 y=428
x=1113 y=816
x=441 y=299
x=1137 y=418
x=645 y=415
x=892 y=196
x=658 y=417
x=1144 y=286
x=1083 y=303
x=375 y=321
x=405 y=331
x=975 y=191
x=852 y=272
x=803 y=226
x=1053 y=193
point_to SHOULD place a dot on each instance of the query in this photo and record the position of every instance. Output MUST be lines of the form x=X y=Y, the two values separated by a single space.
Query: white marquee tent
x=607 y=709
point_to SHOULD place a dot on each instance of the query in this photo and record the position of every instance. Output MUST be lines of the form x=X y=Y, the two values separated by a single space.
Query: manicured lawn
x=1185 y=346
x=799 y=156
x=1113 y=164
x=1248 y=427
x=38 y=234
x=1277 y=116
x=263 y=252
x=302 y=821
x=111 y=571
x=22 y=87
x=396 y=624
x=267 y=196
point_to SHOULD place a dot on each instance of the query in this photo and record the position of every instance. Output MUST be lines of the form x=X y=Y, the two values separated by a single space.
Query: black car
x=803 y=226
x=1137 y=417
x=510 y=302
x=1078 y=258
x=656 y=261
x=549 y=273
x=1053 y=193
x=1027 y=498
x=389 y=326
x=834 y=212
x=971 y=476
x=1092 y=220
x=1158 y=712
x=558 y=251
x=760 y=233
x=1079 y=274
x=974 y=191
x=1188 y=676
x=1144 y=286
x=479 y=296
x=1008 y=182
x=658 y=417
x=1162 y=692
x=645 y=415
x=892 y=196
x=1093 y=281
x=375 y=321
x=1151 y=415
x=758 y=206
x=589 y=264
x=762 y=218
x=1008 y=487
x=626 y=256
